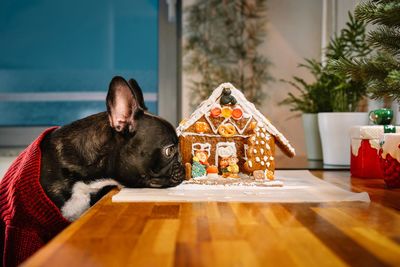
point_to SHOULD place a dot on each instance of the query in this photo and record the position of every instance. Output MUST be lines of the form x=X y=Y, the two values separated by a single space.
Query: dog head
x=148 y=154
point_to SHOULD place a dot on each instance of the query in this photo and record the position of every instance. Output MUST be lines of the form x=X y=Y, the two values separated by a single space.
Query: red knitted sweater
x=28 y=217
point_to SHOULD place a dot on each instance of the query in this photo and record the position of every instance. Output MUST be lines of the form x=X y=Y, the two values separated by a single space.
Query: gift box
x=365 y=147
x=390 y=159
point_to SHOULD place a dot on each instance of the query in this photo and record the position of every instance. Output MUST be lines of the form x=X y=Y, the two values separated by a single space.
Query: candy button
x=226 y=112
x=237 y=113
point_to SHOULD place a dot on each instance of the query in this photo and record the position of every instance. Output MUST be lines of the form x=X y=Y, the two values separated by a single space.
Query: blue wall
x=73 y=46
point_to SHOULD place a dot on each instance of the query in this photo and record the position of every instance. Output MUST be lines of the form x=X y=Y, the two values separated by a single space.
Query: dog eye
x=169 y=151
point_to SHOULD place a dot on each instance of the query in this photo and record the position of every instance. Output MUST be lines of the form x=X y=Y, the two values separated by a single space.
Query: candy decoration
x=270 y=175
x=201 y=127
x=227 y=130
x=237 y=113
x=226 y=112
x=215 y=112
x=212 y=169
x=227 y=98
x=259 y=175
x=233 y=168
x=212 y=172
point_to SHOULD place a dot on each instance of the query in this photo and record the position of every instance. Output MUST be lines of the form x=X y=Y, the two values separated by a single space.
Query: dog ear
x=122 y=105
x=138 y=93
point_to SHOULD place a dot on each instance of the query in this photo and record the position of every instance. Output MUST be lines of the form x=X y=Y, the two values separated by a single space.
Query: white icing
x=262 y=163
x=261 y=151
x=262 y=142
x=246 y=115
x=224 y=149
x=216 y=105
x=240 y=131
x=210 y=135
x=258 y=134
x=265 y=158
x=391 y=146
x=268 y=164
x=256 y=142
x=255 y=151
x=257 y=159
x=250 y=164
x=245 y=146
x=267 y=147
x=262 y=135
x=201 y=146
x=213 y=128
x=247 y=107
x=271 y=158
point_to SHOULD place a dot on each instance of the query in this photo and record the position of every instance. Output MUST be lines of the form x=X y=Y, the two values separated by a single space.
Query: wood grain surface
x=235 y=234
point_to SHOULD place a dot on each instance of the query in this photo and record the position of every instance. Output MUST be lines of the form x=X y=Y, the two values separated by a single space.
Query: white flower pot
x=334 y=129
x=396 y=113
x=311 y=134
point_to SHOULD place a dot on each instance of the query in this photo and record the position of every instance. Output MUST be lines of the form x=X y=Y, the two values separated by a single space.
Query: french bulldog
x=124 y=146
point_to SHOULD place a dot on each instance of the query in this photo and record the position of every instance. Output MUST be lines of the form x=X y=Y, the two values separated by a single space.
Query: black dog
x=124 y=146
x=66 y=170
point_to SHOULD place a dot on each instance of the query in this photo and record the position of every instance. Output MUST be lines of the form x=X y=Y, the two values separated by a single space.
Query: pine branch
x=379 y=71
x=385 y=38
x=379 y=12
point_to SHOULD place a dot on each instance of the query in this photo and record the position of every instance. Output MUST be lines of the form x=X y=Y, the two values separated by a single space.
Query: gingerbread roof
x=247 y=106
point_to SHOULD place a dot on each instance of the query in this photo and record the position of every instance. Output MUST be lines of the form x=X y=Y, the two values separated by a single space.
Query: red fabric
x=28 y=217
x=367 y=163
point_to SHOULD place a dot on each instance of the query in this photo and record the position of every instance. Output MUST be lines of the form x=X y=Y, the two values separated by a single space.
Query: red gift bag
x=365 y=147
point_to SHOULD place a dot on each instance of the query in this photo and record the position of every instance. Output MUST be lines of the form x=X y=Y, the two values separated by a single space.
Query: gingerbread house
x=226 y=129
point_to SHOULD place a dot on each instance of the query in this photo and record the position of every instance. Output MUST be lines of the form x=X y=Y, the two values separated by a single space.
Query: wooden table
x=235 y=234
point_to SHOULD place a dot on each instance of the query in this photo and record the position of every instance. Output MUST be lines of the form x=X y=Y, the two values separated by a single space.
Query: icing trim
x=203 y=146
x=229 y=147
x=211 y=135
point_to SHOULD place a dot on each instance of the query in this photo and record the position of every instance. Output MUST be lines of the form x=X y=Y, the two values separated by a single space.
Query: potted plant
x=338 y=94
x=312 y=98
